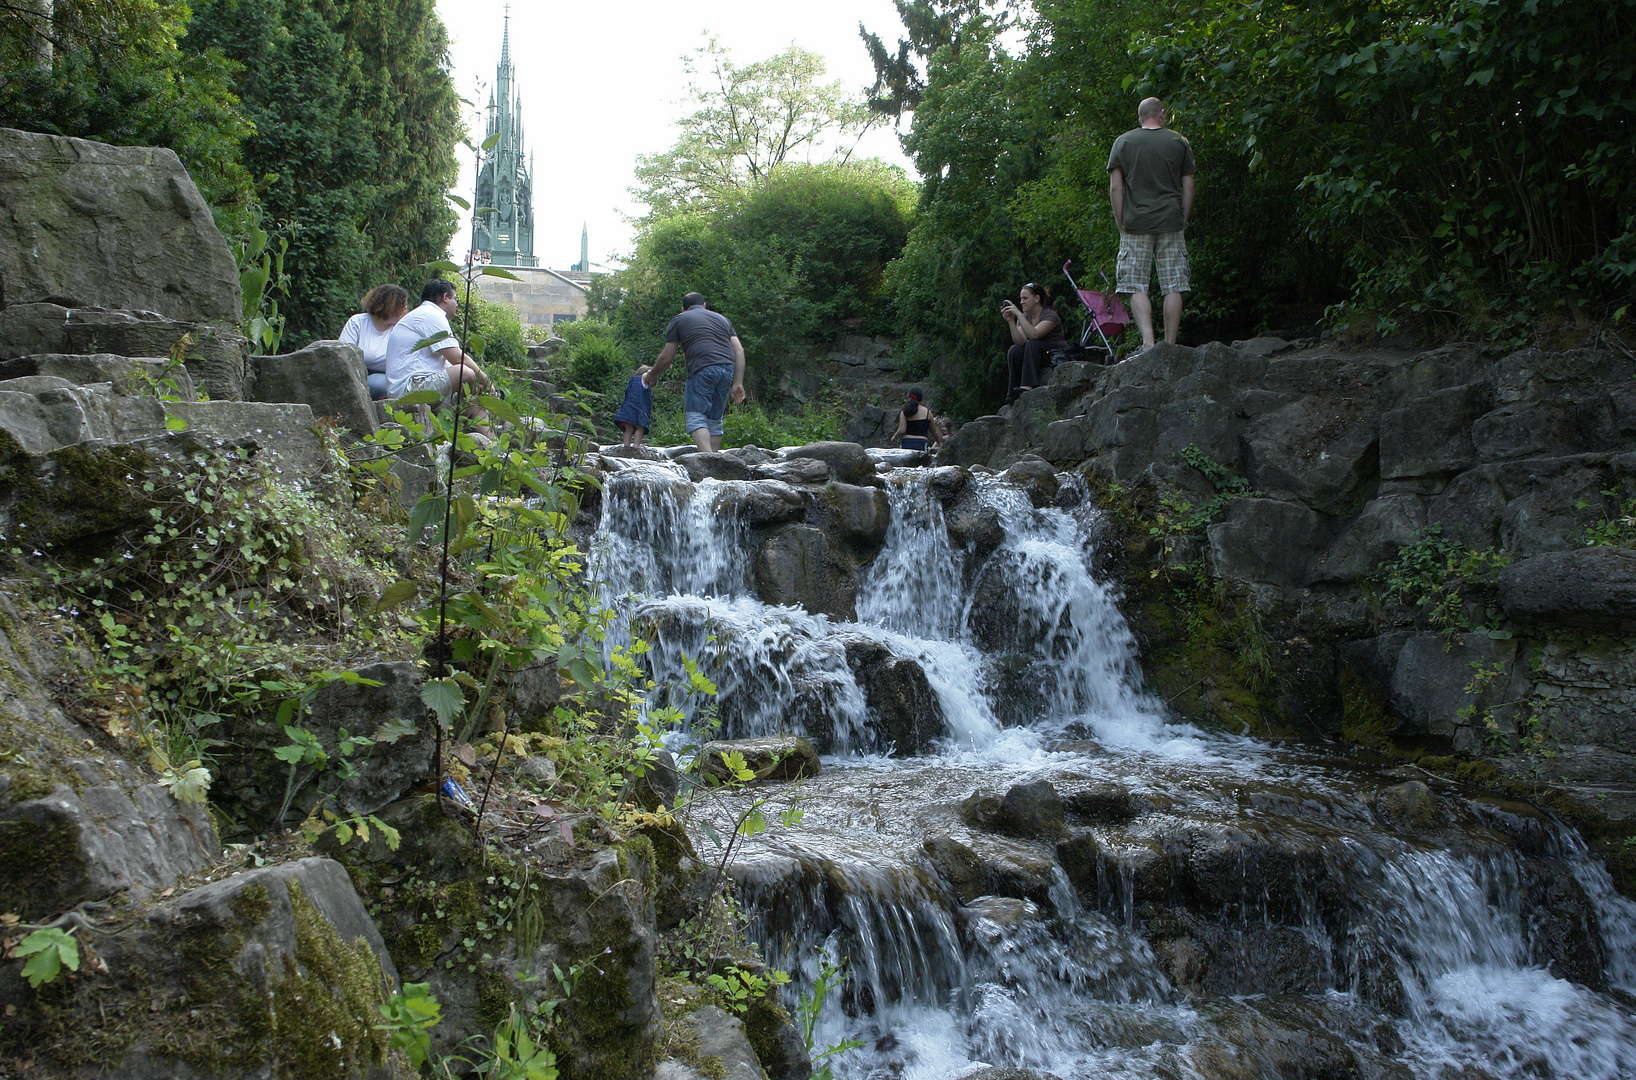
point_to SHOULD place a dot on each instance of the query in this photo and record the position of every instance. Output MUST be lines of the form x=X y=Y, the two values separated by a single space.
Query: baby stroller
x=1107 y=319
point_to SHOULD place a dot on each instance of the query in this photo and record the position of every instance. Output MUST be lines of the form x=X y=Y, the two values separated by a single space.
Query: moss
x=27 y=784
x=764 y=1020
x=252 y=906
x=324 y=1003
x=1365 y=720
x=495 y=996
x=41 y=867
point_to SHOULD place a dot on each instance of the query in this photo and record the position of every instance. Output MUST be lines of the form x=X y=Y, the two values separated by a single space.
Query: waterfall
x=1214 y=906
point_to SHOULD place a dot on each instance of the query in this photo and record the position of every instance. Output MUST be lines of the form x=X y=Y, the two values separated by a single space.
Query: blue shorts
x=704 y=402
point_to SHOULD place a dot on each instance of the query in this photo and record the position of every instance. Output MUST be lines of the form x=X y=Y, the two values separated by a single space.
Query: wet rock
x=1016 y=869
x=327 y=376
x=660 y=784
x=1590 y=587
x=850 y=463
x=800 y=567
x=973 y=525
x=1411 y=806
x=530 y=693
x=1256 y=1048
x=958 y=865
x=1036 y=477
x=633 y=453
x=777 y=1042
x=764 y=503
x=1031 y=811
x=722 y=1043
x=714 y=465
x=947 y=481
x=904 y=711
x=1103 y=804
x=980 y=809
x=1008 y=1073
x=1002 y=911
x=752 y=455
x=794 y=471
x=1563 y=933
x=770 y=757
x=855 y=517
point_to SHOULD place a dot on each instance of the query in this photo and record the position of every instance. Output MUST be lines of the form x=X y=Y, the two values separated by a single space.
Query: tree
x=791 y=260
x=112 y=70
x=750 y=120
x=356 y=122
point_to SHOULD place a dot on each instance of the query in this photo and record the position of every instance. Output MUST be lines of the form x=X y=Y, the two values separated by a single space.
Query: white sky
x=602 y=82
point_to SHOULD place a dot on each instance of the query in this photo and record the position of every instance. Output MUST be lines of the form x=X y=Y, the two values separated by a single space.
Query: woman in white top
x=383 y=306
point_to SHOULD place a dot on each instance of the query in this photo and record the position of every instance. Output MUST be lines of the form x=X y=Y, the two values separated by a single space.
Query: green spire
x=503 y=220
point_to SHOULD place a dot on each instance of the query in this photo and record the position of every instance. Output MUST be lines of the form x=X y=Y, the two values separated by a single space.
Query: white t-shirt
x=404 y=362
x=360 y=331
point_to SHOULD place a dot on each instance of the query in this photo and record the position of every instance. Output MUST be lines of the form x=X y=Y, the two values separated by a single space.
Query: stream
x=1171 y=902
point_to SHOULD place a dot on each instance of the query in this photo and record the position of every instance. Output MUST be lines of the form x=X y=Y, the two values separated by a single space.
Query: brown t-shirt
x=1153 y=161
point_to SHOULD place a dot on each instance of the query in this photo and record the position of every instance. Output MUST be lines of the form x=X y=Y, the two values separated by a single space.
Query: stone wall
x=541 y=299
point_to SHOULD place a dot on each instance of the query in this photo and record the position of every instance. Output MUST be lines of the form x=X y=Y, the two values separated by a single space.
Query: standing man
x=441 y=365
x=715 y=368
x=1150 y=182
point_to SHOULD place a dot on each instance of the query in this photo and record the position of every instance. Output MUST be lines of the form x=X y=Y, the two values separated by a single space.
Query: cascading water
x=1216 y=907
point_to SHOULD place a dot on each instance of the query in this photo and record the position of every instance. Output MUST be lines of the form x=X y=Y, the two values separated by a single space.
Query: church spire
x=503 y=220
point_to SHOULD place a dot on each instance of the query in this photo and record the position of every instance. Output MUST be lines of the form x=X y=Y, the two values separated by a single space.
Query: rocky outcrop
x=327 y=376
x=1294 y=476
x=111 y=249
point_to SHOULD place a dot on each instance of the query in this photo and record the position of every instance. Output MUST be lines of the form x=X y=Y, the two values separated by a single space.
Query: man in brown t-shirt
x=1150 y=182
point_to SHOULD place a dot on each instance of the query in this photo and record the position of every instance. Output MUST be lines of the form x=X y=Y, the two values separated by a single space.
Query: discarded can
x=451 y=790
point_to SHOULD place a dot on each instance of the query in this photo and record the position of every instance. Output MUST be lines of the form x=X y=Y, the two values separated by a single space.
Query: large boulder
x=101 y=230
x=277 y=971
x=799 y=566
x=126 y=376
x=328 y=376
x=849 y=461
x=1591 y=587
x=905 y=714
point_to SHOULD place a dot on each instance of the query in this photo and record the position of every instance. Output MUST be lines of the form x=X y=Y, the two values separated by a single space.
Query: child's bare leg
x=629 y=431
x=638 y=432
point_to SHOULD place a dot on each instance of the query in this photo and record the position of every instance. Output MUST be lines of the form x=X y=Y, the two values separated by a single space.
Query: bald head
x=1151 y=110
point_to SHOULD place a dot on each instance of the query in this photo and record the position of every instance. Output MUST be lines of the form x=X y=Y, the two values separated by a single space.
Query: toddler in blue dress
x=635 y=413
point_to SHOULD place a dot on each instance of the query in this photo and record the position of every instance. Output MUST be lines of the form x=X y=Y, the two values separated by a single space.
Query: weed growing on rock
x=1440 y=578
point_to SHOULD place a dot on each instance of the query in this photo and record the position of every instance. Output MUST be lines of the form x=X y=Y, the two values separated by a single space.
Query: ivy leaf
x=49 y=951
x=175 y=423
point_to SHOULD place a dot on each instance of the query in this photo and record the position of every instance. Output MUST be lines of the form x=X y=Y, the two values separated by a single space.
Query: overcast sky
x=603 y=82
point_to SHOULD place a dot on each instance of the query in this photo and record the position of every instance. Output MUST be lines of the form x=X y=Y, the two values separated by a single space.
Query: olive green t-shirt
x=1153 y=161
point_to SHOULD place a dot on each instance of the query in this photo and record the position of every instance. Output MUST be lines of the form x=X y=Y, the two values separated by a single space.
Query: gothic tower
x=503 y=219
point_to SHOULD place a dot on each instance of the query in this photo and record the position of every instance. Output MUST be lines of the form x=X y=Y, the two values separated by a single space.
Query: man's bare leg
x=1173 y=316
x=701 y=438
x=1141 y=308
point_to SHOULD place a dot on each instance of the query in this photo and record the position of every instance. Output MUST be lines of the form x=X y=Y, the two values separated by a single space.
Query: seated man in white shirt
x=440 y=366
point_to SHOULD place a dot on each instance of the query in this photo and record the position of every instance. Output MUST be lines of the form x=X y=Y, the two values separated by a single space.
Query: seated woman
x=1036 y=333
x=383 y=306
x=915 y=423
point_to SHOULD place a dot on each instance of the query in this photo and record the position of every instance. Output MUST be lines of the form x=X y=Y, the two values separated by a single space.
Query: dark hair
x=692 y=299
x=1040 y=291
x=916 y=397
x=384 y=301
x=436 y=289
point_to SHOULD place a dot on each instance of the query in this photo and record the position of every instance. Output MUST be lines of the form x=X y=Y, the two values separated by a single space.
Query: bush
x=596 y=360
x=494 y=333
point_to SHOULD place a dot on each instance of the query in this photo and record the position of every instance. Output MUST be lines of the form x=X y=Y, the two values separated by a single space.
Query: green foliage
x=409 y=1016
x=1181 y=514
x=1436 y=576
x=48 y=950
x=355 y=124
x=501 y=332
x=111 y=70
x=739 y=989
x=517 y=1050
x=1461 y=148
x=261 y=280
x=831 y=976
x=597 y=361
x=1617 y=528
x=750 y=120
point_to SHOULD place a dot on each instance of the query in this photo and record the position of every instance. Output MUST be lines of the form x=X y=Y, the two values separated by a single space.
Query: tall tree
x=749 y=121
x=356 y=124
